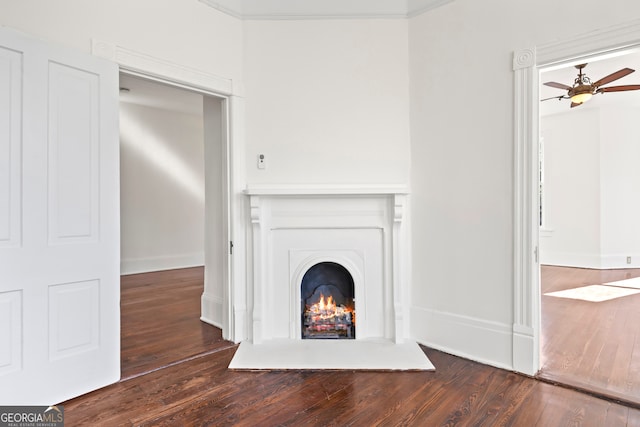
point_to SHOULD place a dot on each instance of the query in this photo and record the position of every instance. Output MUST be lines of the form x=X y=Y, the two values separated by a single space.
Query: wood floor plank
x=633 y=419
x=161 y=320
x=590 y=345
x=200 y=390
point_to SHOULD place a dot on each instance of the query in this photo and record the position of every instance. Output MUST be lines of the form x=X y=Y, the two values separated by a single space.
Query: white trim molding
x=166 y=262
x=526 y=65
x=312 y=189
x=525 y=332
x=295 y=9
x=585 y=260
x=212 y=309
x=150 y=66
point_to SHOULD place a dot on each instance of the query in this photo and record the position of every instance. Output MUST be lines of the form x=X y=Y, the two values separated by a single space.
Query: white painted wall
x=462 y=136
x=620 y=204
x=161 y=189
x=572 y=188
x=327 y=101
x=591 y=185
x=188 y=33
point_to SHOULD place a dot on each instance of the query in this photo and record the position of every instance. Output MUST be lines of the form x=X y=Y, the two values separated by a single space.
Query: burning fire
x=327 y=309
x=326 y=319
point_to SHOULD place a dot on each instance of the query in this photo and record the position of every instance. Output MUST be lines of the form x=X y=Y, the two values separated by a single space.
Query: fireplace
x=327 y=297
x=340 y=254
x=328 y=265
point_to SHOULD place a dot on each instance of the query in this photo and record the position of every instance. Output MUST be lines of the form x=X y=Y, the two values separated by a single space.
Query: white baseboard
x=595 y=261
x=211 y=310
x=170 y=262
x=526 y=358
x=475 y=339
x=620 y=261
x=240 y=325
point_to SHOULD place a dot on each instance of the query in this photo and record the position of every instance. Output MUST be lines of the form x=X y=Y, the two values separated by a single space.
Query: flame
x=327 y=308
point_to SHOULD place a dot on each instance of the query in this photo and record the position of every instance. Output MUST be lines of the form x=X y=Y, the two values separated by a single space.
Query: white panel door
x=59 y=222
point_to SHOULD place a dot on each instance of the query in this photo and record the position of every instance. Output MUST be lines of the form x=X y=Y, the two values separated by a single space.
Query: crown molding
x=419 y=7
x=351 y=9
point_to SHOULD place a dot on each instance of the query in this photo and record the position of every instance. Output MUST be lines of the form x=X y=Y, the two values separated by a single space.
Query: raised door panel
x=10 y=332
x=73 y=164
x=10 y=146
x=74 y=320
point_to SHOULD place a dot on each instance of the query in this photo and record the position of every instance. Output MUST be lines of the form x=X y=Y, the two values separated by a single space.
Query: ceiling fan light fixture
x=579 y=98
x=581 y=93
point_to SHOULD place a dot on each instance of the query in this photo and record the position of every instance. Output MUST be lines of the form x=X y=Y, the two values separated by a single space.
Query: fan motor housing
x=580 y=89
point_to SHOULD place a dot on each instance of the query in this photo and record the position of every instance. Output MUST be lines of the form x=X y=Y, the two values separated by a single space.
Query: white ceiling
x=158 y=95
x=317 y=9
x=596 y=69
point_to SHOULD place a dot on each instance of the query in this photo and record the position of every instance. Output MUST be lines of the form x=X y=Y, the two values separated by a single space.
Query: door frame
x=527 y=64
x=160 y=70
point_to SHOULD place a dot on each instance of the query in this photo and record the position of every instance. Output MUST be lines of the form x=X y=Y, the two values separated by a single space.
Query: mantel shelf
x=328 y=190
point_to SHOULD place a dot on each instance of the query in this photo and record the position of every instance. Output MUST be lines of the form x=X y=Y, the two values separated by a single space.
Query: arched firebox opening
x=327 y=295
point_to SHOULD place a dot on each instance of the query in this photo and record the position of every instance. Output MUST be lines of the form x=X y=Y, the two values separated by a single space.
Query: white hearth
x=362 y=229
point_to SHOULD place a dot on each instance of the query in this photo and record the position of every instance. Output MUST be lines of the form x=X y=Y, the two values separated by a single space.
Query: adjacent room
x=589 y=233
x=162 y=225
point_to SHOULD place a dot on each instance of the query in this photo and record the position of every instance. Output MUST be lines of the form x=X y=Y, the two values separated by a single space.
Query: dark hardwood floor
x=199 y=390
x=160 y=320
x=591 y=345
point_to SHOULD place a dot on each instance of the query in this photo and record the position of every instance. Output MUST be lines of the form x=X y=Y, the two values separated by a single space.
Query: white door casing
x=59 y=222
x=217 y=236
x=527 y=64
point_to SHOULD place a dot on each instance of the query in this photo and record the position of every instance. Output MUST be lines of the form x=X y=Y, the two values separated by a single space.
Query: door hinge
x=535 y=252
x=230 y=247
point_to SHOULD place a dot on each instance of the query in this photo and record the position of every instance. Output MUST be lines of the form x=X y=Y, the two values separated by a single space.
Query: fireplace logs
x=325 y=319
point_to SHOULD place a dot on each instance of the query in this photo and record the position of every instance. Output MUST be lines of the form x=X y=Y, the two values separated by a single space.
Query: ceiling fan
x=582 y=89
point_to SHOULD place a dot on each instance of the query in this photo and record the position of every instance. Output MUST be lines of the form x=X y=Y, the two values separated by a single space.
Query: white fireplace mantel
x=362 y=227
x=326 y=190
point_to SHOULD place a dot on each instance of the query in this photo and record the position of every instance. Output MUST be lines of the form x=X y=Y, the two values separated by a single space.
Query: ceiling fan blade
x=557 y=85
x=573 y=104
x=619 y=88
x=555 y=97
x=613 y=76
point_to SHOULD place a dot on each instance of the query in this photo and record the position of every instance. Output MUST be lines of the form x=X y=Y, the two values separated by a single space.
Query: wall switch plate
x=628 y=260
x=261 y=161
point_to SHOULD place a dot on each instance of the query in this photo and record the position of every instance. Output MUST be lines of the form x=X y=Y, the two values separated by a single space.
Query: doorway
x=588 y=242
x=527 y=63
x=173 y=221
